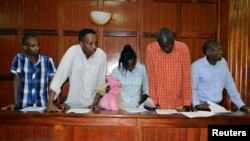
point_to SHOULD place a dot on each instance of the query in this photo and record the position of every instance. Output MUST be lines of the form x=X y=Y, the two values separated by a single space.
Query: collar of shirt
x=161 y=51
x=206 y=63
x=80 y=51
x=123 y=71
x=37 y=62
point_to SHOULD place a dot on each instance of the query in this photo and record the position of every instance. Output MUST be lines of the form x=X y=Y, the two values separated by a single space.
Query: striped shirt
x=169 y=75
x=132 y=84
x=34 y=78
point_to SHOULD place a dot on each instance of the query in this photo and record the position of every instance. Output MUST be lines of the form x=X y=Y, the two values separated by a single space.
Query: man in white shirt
x=210 y=75
x=85 y=66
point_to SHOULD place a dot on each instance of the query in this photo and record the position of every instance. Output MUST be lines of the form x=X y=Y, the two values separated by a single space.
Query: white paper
x=166 y=111
x=197 y=114
x=33 y=109
x=135 y=110
x=141 y=106
x=217 y=109
x=78 y=110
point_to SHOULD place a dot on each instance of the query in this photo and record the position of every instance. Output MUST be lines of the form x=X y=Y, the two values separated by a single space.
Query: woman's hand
x=143 y=98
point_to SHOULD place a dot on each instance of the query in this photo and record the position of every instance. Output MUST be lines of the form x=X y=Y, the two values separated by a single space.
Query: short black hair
x=84 y=32
x=208 y=44
x=166 y=32
x=25 y=39
x=127 y=54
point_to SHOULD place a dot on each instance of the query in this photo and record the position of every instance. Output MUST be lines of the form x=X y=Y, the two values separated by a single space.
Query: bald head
x=166 y=39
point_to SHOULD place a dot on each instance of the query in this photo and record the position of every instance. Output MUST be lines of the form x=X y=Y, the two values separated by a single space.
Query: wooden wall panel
x=108 y=125
x=198 y=18
x=239 y=46
x=68 y=41
x=49 y=46
x=144 y=41
x=203 y=134
x=9 y=13
x=195 y=48
x=159 y=14
x=100 y=134
x=23 y=133
x=6 y=92
x=75 y=14
x=79 y=133
x=9 y=46
x=113 y=47
x=125 y=15
x=160 y=133
x=170 y=134
x=198 y=24
x=223 y=17
x=40 y=14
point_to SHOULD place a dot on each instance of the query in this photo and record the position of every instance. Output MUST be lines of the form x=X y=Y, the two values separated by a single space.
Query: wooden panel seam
x=8 y=31
x=41 y=31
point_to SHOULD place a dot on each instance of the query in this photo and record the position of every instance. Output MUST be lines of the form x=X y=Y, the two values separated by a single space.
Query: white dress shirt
x=84 y=74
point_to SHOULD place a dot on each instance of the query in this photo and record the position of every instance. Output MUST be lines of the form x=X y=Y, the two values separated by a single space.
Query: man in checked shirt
x=169 y=71
x=32 y=72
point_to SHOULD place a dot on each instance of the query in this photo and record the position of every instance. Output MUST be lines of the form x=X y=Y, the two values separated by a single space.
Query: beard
x=219 y=58
x=167 y=50
x=92 y=51
x=33 y=54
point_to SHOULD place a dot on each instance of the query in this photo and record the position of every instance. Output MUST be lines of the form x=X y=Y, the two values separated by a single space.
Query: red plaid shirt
x=169 y=75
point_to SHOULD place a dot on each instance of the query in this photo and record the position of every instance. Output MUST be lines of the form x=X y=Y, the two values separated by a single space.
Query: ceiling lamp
x=100 y=17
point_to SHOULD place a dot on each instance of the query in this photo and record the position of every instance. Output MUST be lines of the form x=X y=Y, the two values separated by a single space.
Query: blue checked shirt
x=132 y=84
x=34 y=78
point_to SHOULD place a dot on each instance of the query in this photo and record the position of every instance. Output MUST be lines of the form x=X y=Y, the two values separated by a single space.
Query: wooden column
x=239 y=45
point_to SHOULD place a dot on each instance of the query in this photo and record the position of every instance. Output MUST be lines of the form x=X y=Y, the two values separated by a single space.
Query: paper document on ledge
x=33 y=109
x=197 y=114
x=166 y=111
x=217 y=109
x=78 y=110
x=135 y=110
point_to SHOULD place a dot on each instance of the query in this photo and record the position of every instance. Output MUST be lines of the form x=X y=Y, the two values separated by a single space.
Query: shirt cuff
x=196 y=102
x=56 y=89
x=13 y=72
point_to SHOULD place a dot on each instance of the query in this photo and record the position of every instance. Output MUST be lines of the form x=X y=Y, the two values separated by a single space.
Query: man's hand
x=96 y=101
x=52 y=108
x=245 y=109
x=203 y=107
x=94 y=107
x=187 y=108
x=9 y=107
x=63 y=106
x=157 y=106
